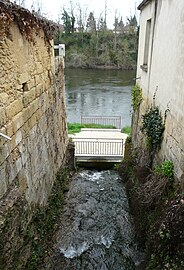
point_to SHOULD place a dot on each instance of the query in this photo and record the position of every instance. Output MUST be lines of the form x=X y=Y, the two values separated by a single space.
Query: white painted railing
x=103 y=120
x=103 y=147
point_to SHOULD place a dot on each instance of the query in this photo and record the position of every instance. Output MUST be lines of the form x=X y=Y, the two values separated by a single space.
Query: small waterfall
x=96 y=231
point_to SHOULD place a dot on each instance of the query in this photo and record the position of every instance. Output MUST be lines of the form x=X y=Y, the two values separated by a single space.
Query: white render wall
x=166 y=73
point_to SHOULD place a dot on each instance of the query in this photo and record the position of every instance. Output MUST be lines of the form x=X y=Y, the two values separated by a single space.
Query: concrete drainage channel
x=96 y=230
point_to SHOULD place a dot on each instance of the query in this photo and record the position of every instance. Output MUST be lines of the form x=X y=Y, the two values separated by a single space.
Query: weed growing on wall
x=165 y=169
x=136 y=97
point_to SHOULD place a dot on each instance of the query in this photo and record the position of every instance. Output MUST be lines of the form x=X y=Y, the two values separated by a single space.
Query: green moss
x=41 y=230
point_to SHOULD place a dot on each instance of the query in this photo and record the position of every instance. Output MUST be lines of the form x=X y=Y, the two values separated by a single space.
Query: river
x=96 y=230
x=98 y=92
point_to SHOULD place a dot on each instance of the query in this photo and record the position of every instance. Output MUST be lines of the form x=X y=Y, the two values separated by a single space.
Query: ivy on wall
x=136 y=93
x=153 y=126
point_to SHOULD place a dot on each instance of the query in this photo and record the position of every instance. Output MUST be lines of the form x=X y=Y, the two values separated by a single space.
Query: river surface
x=98 y=92
x=96 y=231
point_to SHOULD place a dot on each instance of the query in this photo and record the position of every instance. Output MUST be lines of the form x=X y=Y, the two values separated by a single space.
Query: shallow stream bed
x=96 y=231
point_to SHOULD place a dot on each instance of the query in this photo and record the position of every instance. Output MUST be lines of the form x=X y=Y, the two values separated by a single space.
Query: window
x=147 y=45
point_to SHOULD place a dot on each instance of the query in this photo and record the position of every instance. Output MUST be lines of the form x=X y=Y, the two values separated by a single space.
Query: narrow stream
x=96 y=231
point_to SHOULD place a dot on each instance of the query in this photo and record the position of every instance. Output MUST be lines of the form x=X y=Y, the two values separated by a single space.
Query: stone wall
x=32 y=114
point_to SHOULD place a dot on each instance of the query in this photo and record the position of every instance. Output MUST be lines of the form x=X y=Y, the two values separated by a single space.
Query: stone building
x=33 y=134
x=160 y=72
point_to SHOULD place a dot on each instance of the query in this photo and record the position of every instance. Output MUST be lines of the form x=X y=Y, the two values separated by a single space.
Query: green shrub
x=165 y=169
x=153 y=127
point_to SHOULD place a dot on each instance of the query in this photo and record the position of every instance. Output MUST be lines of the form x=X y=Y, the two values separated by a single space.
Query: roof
x=143 y=4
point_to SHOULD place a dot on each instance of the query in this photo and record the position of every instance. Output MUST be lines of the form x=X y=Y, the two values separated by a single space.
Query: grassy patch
x=76 y=127
x=126 y=130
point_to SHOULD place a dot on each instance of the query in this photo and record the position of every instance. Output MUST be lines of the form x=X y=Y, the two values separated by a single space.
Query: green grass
x=76 y=127
x=126 y=130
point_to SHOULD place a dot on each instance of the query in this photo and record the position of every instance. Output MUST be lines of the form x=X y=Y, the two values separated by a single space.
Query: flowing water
x=96 y=231
x=98 y=92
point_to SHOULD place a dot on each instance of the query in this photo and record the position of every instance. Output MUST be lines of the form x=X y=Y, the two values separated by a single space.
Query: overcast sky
x=54 y=7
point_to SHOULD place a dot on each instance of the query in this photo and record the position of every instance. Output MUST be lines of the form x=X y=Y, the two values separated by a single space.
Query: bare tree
x=20 y=2
x=72 y=16
x=115 y=29
x=82 y=16
x=80 y=21
x=105 y=15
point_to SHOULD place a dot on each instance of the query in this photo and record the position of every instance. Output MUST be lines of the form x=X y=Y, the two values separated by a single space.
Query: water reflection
x=98 y=92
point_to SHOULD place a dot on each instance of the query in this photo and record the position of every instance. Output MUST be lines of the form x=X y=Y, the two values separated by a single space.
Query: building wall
x=32 y=113
x=165 y=73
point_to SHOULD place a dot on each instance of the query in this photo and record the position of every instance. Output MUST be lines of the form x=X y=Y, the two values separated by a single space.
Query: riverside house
x=160 y=74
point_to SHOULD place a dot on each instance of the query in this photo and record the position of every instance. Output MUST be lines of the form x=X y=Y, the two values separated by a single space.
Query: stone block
x=28 y=97
x=38 y=114
x=4 y=99
x=2 y=140
x=14 y=108
x=17 y=122
x=10 y=129
x=25 y=129
x=26 y=113
x=3 y=117
x=39 y=89
x=34 y=105
x=31 y=83
x=24 y=77
x=32 y=121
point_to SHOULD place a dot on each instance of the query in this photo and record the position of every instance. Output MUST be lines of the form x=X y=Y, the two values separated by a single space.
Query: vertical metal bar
x=80 y=146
